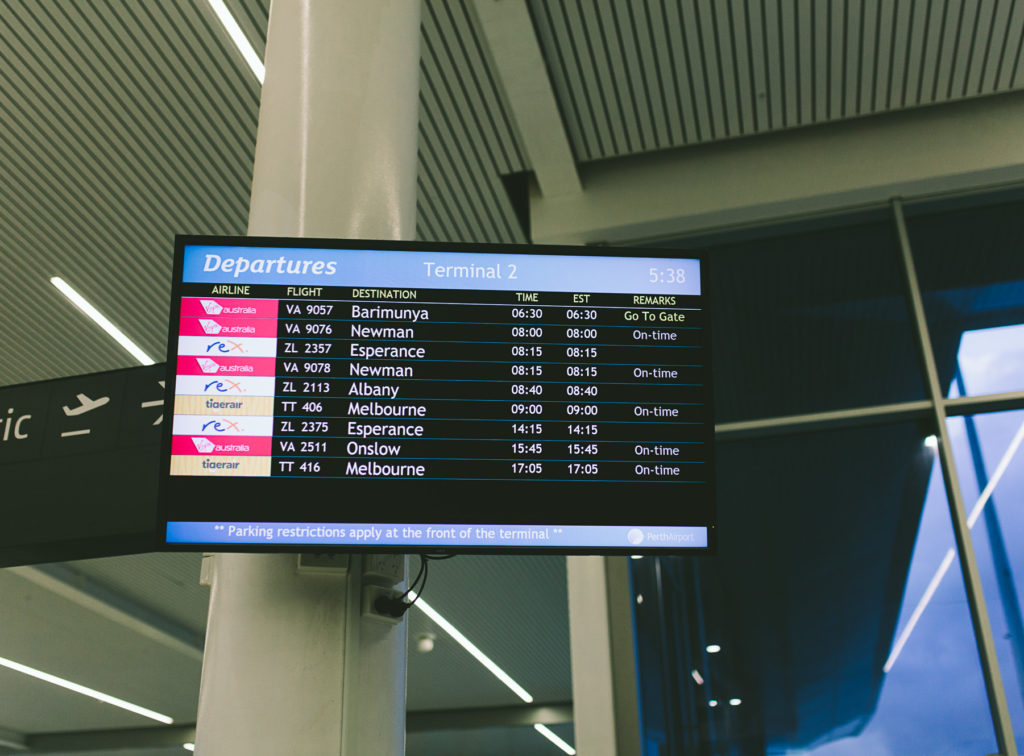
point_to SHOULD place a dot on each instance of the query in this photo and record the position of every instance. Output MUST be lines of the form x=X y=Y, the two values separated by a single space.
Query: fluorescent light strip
x=947 y=560
x=996 y=476
x=113 y=331
x=238 y=37
x=60 y=681
x=566 y=748
x=463 y=641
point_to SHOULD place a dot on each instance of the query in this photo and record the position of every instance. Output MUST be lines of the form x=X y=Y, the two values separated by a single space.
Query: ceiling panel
x=655 y=74
x=122 y=125
x=166 y=584
x=467 y=139
x=126 y=123
x=491 y=741
x=515 y=608
x=52 y=634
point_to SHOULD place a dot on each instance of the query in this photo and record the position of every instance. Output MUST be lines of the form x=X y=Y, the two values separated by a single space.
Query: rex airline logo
x=224 y=347
x=222 y=425
x=224 y=386
x=210 y=326
x=211 y=307
x=203 y=445
x=207 y=365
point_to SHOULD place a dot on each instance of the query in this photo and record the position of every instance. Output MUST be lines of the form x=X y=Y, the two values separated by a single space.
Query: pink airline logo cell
x=229 y=328
x=214 y=307
x=232 y=366
x=236 y=446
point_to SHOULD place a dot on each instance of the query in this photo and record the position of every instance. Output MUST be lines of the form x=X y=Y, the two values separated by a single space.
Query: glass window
x=970 y=264
x=809 y=322
x=833 y=614
x=990 y=462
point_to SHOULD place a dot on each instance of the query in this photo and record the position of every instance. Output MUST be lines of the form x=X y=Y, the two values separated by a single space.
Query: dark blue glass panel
x=829 y=543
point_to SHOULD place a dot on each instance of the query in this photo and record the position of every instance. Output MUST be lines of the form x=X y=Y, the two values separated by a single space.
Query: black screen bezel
x=224 y=485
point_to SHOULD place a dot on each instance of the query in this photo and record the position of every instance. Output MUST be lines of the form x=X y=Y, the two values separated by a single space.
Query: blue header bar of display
x=416 y=269
x=415 y=535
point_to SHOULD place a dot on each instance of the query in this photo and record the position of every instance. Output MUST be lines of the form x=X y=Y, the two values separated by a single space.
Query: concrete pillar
x=604 y=693
x=290 y=667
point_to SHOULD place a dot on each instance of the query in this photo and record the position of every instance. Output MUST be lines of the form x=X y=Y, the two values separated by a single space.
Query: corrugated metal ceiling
x=653 y=74
x=125 y=123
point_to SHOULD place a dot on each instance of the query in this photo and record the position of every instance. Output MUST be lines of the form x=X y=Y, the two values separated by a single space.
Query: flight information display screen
x=403 y=395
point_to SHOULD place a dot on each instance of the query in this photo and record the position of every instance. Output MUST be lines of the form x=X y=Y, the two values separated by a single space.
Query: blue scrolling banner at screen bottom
x=415 y=535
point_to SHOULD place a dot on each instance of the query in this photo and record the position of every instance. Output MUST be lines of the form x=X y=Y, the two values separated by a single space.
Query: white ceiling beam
x=135 y=739
x=491 y=716
x=517 y=58
x=956 y=147
x=15 y=741
x=88 y=594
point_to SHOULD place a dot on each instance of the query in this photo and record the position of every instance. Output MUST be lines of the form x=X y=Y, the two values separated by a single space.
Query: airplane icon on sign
x=87 y=405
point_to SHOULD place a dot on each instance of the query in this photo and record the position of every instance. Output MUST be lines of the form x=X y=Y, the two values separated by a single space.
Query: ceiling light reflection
x=75 y=687
x=566 y=748
x=99 y=319
x=238 y=37
x=467 y=644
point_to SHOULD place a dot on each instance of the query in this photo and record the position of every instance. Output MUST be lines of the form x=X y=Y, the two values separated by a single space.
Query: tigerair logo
x=203 y=445
x=210 y=326
x=211 y=307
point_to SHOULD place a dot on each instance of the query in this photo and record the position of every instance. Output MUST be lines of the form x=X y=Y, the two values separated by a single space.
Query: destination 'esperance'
x=386 y=352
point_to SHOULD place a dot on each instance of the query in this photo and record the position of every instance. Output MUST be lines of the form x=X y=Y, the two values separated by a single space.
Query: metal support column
x=605 y=709
x=290 y=666
x=965 y=547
